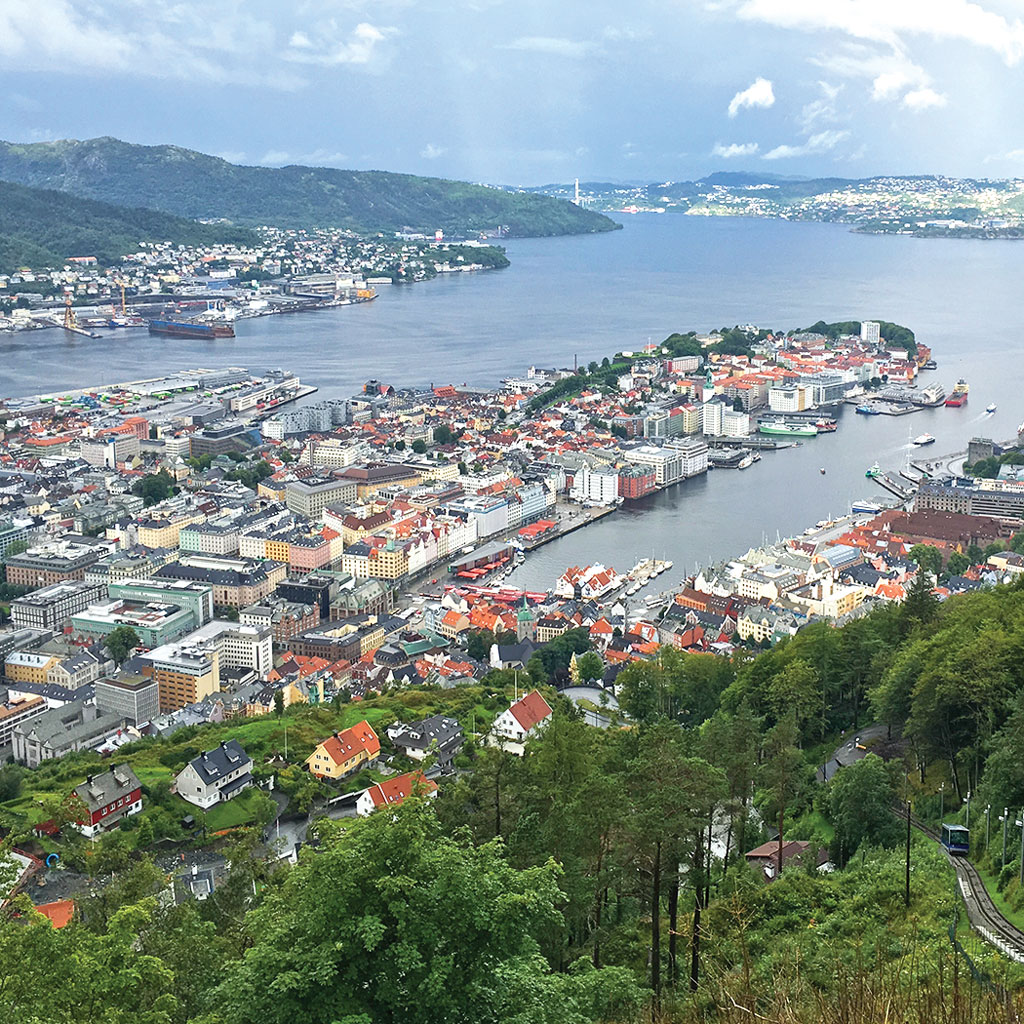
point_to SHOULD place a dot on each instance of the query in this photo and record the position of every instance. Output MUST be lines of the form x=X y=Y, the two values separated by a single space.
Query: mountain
x=195 y=185
x=41 y=227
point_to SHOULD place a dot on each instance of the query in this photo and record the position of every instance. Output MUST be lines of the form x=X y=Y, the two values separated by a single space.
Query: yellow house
x=23 y=667
x=344 y=752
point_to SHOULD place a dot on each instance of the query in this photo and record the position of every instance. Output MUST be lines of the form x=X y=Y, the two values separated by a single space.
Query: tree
x=439 y=931
x=10 y=782
x=860 y=802
x=419 y=446
x=590 y=666
x=120 y=642
x=927 y=557
x=781 y=771
x=921 y=605
x=154 y=488
x=443 y=434
x=957 y=564
x=463 y=469
x=279 y=702
x=144 y=836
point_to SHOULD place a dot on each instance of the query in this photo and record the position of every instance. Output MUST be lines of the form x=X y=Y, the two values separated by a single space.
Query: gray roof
x=99 y=790
x=215 y=764
x=420 y=735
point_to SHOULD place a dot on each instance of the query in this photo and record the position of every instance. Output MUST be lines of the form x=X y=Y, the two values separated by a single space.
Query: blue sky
x=528 y=91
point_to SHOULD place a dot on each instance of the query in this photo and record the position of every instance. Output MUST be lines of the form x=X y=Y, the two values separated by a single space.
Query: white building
x=525 y=718
x=693 y=455
x=788 y=398
x=215 y=775
x=598 y=487
x=870 y=332
x=666 y=462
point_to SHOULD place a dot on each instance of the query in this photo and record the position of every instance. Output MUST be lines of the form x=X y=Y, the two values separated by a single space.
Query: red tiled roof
x=530 y=710
x=343 y=746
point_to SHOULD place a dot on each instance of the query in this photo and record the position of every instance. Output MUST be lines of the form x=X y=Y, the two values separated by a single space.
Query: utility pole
x=1005 y=815
x=906 y=894
x=1021 y=823
x=987 y=810
x=942 y=801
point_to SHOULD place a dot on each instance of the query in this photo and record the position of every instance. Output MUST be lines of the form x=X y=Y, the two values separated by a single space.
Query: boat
x=868 y=410
x=934 y=394
x=825 y=426
x=746 y=462
x=923 y=439
x=991 y=407
x=930 y=365
x=961 y=387
x=866 y=506
x=874 y=471
x=822 y=471
x=781 y=428
x=191 y=329
x=956 y=401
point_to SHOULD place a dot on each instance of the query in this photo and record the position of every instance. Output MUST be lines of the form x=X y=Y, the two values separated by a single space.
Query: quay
x=566 y=525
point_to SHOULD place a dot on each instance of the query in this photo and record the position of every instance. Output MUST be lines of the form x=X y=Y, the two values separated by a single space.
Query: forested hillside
x=601 y=877
x=194 y=185
x=42 y=228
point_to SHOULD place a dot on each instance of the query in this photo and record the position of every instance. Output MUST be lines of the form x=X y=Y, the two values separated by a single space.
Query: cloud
x=432 y=152
x=760 y=94
x=275 y=158
x=734 y=149
x=1015 y=155
x=357 y=47
x=821 y=110
x=923 y=99
x=316 y=158
x=821 y=142
x=553 y=45
x=888 y=21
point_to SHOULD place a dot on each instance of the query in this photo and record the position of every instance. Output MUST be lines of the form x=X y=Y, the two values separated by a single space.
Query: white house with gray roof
x=215 y=775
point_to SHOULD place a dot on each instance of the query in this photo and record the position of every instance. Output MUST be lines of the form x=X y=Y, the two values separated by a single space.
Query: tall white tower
x=576 y=197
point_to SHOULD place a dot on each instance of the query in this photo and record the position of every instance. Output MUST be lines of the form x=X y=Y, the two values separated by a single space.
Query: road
x=849 y=751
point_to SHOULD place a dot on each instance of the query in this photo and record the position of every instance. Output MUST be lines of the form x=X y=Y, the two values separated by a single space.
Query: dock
x=893 y=486
x=566 y=526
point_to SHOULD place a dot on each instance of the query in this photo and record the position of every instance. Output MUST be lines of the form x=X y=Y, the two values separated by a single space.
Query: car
x=433 y=581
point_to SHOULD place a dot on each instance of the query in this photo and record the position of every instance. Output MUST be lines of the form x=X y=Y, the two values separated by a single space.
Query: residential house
x=215 y=775
x=525 y=718
x=109 y=799
x=392 y=792
x=436 y=736
x=344 y=752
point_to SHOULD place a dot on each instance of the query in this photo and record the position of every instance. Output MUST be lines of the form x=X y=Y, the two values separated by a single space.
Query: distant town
x=291 y=271
x=924 y=206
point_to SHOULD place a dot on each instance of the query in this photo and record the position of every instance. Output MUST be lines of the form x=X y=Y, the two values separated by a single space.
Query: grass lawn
x=1015 y=917
x=239 y=811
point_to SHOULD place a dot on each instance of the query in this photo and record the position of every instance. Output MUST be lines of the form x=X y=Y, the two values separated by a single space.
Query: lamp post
x=942 y=801
x=987 y=810
x=1002 y=818
x=967 y=801
x=1021 y=823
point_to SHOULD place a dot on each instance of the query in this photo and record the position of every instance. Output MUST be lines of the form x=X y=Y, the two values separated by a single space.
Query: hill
x=41 y=227
x=191 y=184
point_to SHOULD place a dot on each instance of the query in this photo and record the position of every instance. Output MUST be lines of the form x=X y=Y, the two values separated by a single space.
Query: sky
x=526 y=92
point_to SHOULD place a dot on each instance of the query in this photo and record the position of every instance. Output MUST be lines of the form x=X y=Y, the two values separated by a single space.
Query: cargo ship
x=782 y=429
x=191 y=329
x=959 y=396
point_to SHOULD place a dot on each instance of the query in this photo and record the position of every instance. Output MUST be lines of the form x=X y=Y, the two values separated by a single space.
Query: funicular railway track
x=985 y=918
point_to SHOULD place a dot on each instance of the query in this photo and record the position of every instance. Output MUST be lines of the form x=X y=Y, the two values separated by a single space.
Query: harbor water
x=590 y=296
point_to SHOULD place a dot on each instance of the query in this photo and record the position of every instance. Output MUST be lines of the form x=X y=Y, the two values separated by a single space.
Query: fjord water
x=593 y=295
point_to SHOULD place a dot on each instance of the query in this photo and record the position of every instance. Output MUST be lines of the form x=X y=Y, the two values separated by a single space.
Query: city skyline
x=523 y=94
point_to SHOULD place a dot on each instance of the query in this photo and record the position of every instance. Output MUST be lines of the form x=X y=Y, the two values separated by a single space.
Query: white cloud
x=734 y=149
x=887 y=21
x=759 y=94
x=357 y=47
x=316 y=158
x=923 y=99
x=821 y=142
x=821 y=110
x=432 y=152
x=553 y=45
x=275 y=158
x=1015 y=156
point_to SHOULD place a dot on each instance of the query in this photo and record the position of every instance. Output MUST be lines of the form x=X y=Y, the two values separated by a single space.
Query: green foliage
x=42 y=228
x=419 y=446
x=860 y=803
x=893 y=334
x=154 y=487
x=120 y=642
x=193 y=185
x=397 y=921
x=590 y=666
x=927 y=557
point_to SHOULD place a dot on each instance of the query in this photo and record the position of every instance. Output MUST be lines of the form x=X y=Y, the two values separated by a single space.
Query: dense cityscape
x=433 y=596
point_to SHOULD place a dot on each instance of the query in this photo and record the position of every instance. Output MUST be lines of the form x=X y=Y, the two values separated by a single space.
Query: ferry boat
x=782 y=429
x=923 y=439
x=874 y=471
x=934 y=394
x=866 y=506
x=868 y=410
